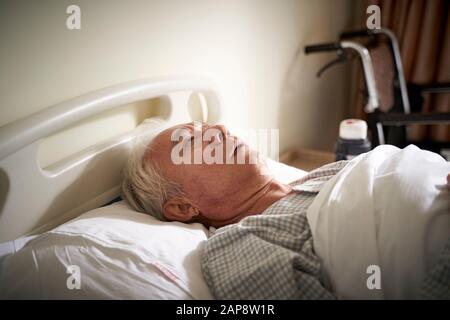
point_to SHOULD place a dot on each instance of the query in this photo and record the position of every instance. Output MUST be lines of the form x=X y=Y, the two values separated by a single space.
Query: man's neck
x=273 y=192
x=258 y=202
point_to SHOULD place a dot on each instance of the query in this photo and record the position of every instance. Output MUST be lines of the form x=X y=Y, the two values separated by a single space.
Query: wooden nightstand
x=306 y=159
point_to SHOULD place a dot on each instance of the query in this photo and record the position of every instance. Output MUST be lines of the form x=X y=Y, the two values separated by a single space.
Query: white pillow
x=120 y=253
x=283 y=172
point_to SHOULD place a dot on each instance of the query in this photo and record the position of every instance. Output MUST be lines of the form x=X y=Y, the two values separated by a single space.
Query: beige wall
x=252 y=48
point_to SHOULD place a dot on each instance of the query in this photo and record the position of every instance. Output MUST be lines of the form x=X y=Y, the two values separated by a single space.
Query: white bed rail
x=33 y=199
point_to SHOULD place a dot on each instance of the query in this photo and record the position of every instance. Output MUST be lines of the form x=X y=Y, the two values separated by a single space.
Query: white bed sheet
x=389 y=208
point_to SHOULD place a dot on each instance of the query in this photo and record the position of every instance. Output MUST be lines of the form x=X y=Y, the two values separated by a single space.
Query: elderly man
x=264 y=247
x=215 y=194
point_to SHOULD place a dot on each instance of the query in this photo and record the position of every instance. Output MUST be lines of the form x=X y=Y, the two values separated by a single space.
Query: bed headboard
x=33 y=199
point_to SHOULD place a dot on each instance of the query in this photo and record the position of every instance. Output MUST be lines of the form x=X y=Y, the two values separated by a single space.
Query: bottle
x=352 y=139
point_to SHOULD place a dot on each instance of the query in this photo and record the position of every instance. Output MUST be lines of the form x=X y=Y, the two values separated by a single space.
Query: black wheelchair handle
x=323 y=47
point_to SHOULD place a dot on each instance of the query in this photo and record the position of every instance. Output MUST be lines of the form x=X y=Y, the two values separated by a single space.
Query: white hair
x=144 y=185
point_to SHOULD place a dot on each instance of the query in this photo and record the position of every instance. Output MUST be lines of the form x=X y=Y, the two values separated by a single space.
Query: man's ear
x=179 y=209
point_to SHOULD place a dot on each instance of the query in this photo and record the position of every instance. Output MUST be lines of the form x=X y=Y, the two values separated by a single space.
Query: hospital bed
x=65 y=234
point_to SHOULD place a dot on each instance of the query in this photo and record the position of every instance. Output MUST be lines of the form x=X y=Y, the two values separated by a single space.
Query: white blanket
x=387 y=211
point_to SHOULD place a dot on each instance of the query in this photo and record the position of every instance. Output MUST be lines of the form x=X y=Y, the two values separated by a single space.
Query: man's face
x=216 y=169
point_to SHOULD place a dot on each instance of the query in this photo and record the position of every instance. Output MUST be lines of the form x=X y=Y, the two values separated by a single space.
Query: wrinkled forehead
x=165 y=137
x=161 y=146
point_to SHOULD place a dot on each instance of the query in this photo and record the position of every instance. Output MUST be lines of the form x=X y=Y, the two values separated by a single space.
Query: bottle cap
x=353 y=129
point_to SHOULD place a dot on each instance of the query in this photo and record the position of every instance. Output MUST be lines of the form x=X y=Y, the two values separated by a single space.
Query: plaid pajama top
x=271 y=255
